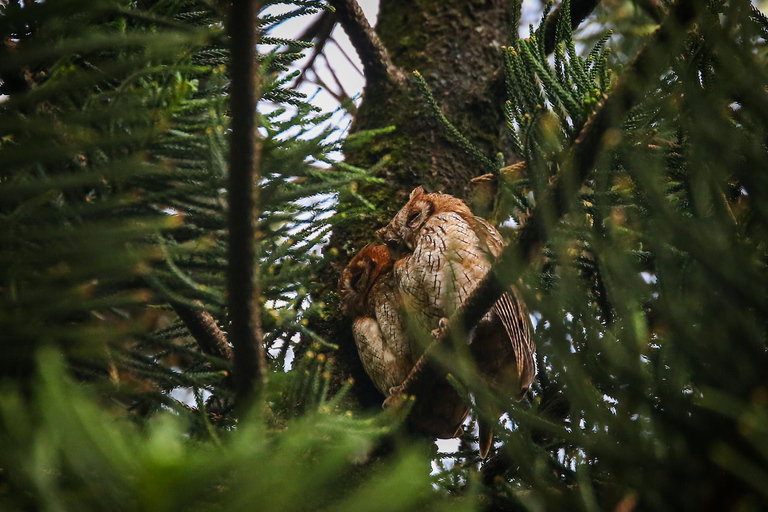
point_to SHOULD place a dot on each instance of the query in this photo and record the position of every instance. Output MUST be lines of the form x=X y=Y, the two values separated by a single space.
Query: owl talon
x=442 y=327
x=395 y=398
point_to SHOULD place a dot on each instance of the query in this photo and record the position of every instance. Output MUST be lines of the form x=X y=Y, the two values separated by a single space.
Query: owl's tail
x=485 y=436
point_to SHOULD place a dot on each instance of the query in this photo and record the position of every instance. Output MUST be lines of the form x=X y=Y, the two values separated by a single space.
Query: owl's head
x=357 y=280
x=401 y=233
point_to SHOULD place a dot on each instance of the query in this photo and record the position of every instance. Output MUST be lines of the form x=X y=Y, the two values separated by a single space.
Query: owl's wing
x=514 y=317
x=390 y=316
x=489 y=237
x=511 y=311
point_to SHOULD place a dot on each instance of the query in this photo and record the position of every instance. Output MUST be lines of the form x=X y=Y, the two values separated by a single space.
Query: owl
x=372 y=299
x=442 y=252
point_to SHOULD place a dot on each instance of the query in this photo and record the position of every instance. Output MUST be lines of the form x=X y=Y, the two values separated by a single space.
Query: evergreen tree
x=629 y=188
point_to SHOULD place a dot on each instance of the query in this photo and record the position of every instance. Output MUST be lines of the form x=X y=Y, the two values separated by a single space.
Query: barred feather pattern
x=444 y=252
x=494 y=355
x=369 y=295
x=442 y=272
x=372 y=298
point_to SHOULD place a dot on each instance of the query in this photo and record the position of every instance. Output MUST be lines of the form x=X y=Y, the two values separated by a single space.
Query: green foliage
x=649 y=296
x=86 y=99
x=113 y=156
x=451 y=130
x=68 y=453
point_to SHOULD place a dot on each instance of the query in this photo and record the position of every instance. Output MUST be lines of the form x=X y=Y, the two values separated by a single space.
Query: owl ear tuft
x=417 y=192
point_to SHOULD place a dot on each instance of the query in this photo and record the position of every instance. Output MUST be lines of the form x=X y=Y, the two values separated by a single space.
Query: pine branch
x=377 y=63
x=203 y=328
x=555 y=204
x=452 y=133
x=243 y=292
x=580 y=9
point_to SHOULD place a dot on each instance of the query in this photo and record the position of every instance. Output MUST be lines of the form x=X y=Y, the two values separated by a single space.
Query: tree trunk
x=455 y=45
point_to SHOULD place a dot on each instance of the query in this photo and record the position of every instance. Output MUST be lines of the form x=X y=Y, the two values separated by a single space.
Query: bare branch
x=377 y=63
x=320 y=29
x=203 y=328
x=347 y=57
x=244 y=152
x=320 y=32
x=340 y=97
x=555 y=204
x=342 y=91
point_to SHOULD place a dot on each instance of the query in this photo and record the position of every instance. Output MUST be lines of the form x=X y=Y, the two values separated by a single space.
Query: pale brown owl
x=442 y=253
x=372 y=299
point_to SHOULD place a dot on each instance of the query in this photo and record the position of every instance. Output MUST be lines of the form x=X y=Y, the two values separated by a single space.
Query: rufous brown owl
x=442 y=252
x=372 y=299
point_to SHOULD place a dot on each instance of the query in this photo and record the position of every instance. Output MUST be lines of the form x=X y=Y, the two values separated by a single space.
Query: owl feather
x=370 y=296
x=442 y=253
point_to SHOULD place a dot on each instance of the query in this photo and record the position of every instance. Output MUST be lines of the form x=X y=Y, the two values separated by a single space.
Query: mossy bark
x=455 y=45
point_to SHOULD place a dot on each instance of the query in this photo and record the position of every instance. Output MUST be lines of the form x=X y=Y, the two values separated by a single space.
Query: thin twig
x=335 y=77
x=557 y=200
x=346 y=56
x=340 y=97
x=245 y=331
x=377 y=63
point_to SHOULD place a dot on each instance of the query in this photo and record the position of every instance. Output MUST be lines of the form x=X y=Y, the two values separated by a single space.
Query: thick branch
x=244 y=151
x=643 y=71
x=580 y=9
x=377 y=63
x=203 y=328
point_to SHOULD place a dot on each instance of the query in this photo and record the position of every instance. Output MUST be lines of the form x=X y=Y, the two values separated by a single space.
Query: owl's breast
x=445 y=267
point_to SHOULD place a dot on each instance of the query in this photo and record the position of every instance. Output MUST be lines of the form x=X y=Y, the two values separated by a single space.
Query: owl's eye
x=412 y=217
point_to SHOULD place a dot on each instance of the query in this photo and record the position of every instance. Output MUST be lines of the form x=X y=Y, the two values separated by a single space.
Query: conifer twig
x=557 y=199
x=452 y=133
x=580 y=9
x=244 y=151
x=377 y=63
x=203 y=328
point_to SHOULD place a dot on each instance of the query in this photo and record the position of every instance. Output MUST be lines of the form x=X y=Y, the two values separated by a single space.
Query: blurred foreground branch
x=242 y=288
